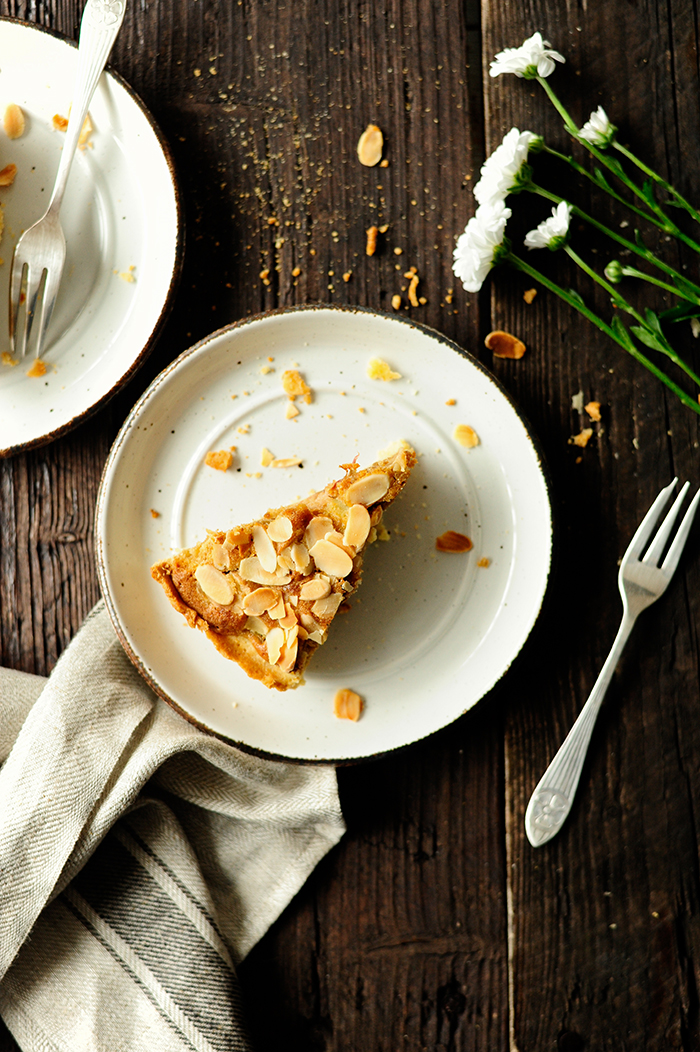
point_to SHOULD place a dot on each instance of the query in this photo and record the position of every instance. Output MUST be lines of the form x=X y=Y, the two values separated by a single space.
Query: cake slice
x=265 y=593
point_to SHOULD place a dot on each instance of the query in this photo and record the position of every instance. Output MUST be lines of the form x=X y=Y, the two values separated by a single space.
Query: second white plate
x=428 y=633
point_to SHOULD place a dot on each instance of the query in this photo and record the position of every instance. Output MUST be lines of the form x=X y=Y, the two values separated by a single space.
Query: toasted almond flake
x=220 y=557
x=371 y=246
x=300 y=555
x=370 y=146
x=266 y=457
x=331 y=559
x=277 y=610
x=328 y=606
x=583 y=438
x=280 y=529
x=220 y=459
x=317 y=529
x=378 y=369
x=347 y=705
x=285 y=462
x=275 y=642
x=251 y=570
x=504 y=345
x=288 y=623
x=315 y=588
x=291 y=411
x=7 y=175
x=257 y=602
x=357 y=526
x=288 y=657
x=367 y=490
x=215 y=585
x=254 y=624
x=13 y=121
x=451 y=541
x=319 y=636
x=295 y=386
x=264 y=549
x=466 y=436
x=310 y=623
x=593 y=409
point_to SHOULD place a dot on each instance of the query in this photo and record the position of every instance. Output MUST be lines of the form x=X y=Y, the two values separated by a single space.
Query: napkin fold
x=140 y=859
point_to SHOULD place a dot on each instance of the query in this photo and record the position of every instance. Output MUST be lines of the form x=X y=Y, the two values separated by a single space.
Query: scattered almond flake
x=583 y=437
x=378 y=369
x=370 y=146
x=371 y=246
x=528 y=296
x=346 y=276
x=291 y=411
x=483 y=562
x=60 y=123
x=413 y=298
x=265 y=369
x=155 y=514
x=347 y=705
x=466 y=436
x=295 y=386
x=7 y=358
x=38 y=368
x=593 y=410
x=504 y=345
x=220 y=459
x=285 y=462
x=451 y=541
x=7 y=175
x=13 y=121
x=244 y=429
x=451 y=401
x=266 y=457
x=396 y=302
x=577 y=402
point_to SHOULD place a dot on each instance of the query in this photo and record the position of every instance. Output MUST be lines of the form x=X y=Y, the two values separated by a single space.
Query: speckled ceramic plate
x=122 y=225
x=428 y=634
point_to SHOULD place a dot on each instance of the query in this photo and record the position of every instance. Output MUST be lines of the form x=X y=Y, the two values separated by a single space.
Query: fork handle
x=99 y=26
x=552 y=799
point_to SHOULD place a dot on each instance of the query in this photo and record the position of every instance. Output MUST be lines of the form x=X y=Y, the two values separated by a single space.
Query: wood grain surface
x=434 y=925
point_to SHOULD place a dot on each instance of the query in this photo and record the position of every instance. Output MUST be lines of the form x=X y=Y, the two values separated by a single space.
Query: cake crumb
x=583 y=437
x=529 y=295
x=451 y=401
x=483 y=562
x=7 y=359
x=347 y=705
x=378 y=369
x=38 y=368
x=220 y=459
x=155 y=514
x=7 y=175
x=593 y=410
x=291 y=411
x=295 y=386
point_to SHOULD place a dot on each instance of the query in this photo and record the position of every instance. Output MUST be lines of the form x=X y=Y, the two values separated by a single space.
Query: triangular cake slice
x=265 y=593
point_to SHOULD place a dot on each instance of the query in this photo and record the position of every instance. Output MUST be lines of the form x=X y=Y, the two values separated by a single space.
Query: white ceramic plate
x=428 y=633
x=120 y=212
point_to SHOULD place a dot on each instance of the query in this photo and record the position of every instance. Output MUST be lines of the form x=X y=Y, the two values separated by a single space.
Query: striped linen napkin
x=140 y=859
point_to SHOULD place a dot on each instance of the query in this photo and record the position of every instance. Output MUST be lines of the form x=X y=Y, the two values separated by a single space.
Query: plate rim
x=125 y=429
x=178 y=259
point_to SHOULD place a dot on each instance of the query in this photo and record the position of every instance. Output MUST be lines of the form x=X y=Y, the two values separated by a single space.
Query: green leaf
x=576 y=297
x=638 y=240
x=601 y=180
x=683 y=312
x=620 y=331
x=648 y=192
x=649 y=339
x=652 y=320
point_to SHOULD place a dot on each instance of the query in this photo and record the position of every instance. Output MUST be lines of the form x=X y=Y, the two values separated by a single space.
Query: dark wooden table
x=434 y=924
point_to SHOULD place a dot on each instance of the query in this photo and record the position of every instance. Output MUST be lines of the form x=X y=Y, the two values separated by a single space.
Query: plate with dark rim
x=428 y=633
x=122 y=221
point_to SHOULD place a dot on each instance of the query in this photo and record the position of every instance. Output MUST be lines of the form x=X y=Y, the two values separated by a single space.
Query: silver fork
x=40 y=253
x=641 y=581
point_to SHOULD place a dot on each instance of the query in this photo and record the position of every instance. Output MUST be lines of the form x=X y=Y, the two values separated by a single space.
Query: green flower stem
x=622 y=337
x=568 y=159
x=632 y=272
x=631 y=246
x=620 y=302
x=657 y=179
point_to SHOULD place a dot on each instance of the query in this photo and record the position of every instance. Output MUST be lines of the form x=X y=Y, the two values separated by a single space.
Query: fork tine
x=19 y=280
x=664 y=531
x=636 y=545
x=674 y=553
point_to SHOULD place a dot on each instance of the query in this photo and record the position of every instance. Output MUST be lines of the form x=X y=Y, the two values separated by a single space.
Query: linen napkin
x=140 y=859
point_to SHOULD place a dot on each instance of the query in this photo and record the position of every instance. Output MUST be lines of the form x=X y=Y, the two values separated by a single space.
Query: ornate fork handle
x=552 y=799
x=99 y=26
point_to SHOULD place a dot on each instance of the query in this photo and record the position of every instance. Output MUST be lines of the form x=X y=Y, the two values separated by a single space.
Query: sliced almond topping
x=451 y=541
x=327 y=607
x=291 y=632
x=257 y=602
x=370 y=146
x=288 y=622
x=466 y=436
x=264 y=549
x=315 y=588
x=317 y=529
x=254 y=624
x=376 y=515
x=347 y=705
x=310 y=623
x=280 y=529
x=277 y=610
x=13 y=121
x=285 y=561
x=288 y=657
x=319 y=636
x=215 y=585
x=220 y=557
x=302 y=634
x=357 y=526
x=331 y=559
x=367 y=490
x=275 y=642
x=251 y=570
x=300 y=555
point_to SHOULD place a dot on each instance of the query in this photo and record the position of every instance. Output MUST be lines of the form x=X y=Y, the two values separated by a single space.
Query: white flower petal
x=550 y=230
x=476 y=247
x=598 y=129
x=500 y=171
x=534 y=54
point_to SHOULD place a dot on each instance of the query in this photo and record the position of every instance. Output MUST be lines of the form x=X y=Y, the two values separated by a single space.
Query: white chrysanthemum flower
x=598 y=130
x=478 y=247
x=553 y=232
x=532 y=59
x=499 y=173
